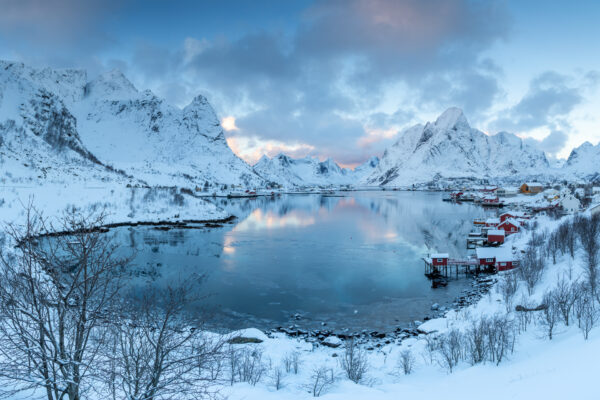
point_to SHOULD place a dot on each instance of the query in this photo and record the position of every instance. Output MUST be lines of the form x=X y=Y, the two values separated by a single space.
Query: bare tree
x=549 y=314
x=160 y=353
x=565 y=295
x=531 y=268
x=589 y=318
x=406 y=361
x=589 y=232
x=354 y=361
x=508 y=287
x=55 y=294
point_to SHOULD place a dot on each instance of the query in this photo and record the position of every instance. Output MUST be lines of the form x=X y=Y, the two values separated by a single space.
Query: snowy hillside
x=107 y=122
x=449 y=148
x=309 y=171
x=584 y=162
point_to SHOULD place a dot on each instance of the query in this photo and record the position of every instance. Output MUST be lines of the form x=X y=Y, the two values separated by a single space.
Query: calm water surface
x=352 y=261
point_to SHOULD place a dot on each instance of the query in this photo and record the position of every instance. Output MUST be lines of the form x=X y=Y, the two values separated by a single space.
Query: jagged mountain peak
x=452 y=118
x=109 y=122
x=450 y=148
x=112 y=85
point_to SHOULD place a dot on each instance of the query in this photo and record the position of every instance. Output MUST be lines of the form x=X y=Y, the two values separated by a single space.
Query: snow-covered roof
x=504 y=254
x=486 y=252
x=515 y=213
x=492 y=221
x=593 y=206
x=439 y=255
x=496 y=232
x=499 y=253
x=534 y=184
x=511 y=221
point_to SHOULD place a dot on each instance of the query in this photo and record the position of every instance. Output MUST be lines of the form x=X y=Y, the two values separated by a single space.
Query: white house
x=596 y=190
x=507 y=191
x=570 y=203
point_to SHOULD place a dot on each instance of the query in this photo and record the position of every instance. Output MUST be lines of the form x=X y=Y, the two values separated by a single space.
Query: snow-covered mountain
x=309 y=171
x=584 y=162
x=449 y=148
x=73 y=123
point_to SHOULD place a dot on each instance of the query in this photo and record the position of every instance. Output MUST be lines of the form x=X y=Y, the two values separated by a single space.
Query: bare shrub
x=406 y=361
x=475 y=341
x=292 y=362
x=321 y=380
x=252 y=367
x=354 y=361
x=500 y=338
x=450 y=349
x=276 y=377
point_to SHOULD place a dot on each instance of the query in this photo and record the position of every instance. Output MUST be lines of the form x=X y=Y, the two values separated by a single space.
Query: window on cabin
x=440 y=260
x=489 y=260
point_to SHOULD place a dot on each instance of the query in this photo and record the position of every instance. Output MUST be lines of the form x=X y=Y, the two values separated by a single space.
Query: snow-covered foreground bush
x=533 y=336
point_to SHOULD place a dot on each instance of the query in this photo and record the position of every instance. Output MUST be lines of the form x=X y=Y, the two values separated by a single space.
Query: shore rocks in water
x=374 y=339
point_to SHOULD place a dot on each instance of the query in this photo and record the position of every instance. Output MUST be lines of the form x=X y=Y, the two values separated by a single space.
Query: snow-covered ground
x=564 y=367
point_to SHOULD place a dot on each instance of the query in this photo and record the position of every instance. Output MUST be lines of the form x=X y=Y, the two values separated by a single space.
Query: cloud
x=57 y=23
x=551 y=144
x=551 y=96
x=320 y=80
x=320 y=83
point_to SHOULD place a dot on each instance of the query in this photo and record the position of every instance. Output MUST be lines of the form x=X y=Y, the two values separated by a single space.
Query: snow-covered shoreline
x=538 y=368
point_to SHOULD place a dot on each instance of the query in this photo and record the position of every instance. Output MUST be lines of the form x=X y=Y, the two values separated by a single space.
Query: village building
x=509 y=226
x=595 y=190
x=500 y=258
x=495 y=236
x=439 y=259
x=532 y=188
x=492 y=222
x=507 y=191
x=570 y=203
x=518 y=215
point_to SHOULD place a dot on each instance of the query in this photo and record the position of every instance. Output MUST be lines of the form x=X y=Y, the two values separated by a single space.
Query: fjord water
x=351 y=261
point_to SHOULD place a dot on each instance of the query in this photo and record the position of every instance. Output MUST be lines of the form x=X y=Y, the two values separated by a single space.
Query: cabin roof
x=499 y=253
x=534 y=184
x=510 y=221
x=439 y=255
x=498 y=232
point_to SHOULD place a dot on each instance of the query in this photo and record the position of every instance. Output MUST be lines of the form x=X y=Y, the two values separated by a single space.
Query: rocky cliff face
x=107 y=122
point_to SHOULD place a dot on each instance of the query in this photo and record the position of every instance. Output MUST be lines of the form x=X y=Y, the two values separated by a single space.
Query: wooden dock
x=465 y=265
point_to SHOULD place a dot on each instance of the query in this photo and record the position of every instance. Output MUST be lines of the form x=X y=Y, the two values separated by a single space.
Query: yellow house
x=532 y=188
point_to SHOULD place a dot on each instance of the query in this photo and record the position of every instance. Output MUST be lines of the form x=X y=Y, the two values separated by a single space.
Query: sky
x=336 y=78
